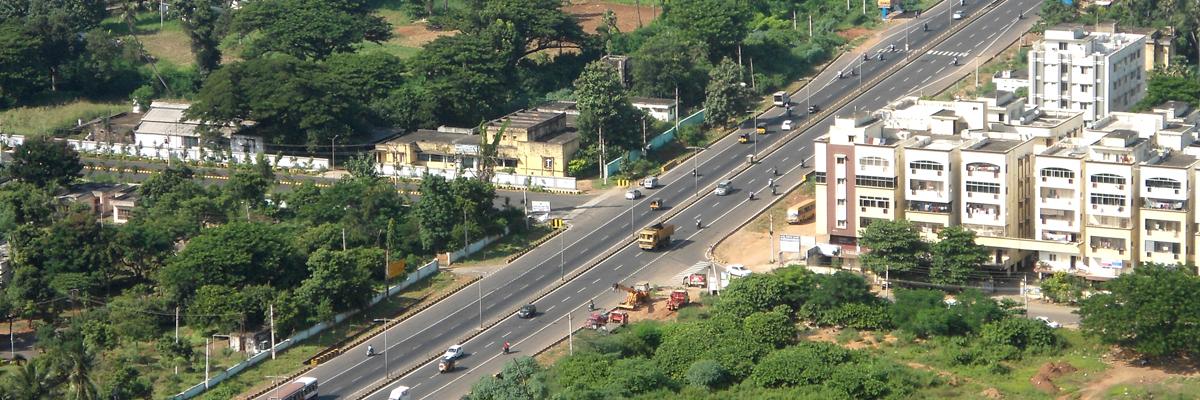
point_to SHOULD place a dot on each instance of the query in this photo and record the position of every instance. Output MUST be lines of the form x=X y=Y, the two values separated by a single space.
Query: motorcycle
x=370 y=351
x=505 y=349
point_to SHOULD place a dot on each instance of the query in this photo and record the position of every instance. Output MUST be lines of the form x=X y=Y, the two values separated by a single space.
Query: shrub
x=808 y=363
x=848 y=335
x=706 y=373
x=1063 y=287
x=773 y=328
x=1024 y=334
x=857 y=316
x=631 y=376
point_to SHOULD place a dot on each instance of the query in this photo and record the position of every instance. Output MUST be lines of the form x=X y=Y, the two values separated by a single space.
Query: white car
x=958 y=15
x=738 y=270
x=1049 y=322
x=787 y=125
x=650 y=182
x=633 y=194
x=723 y=188
x=454 y=352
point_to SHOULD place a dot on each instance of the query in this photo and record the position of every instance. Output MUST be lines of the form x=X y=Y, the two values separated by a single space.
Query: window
x=841 y=181
x=548 y=163
x=1085 y=88
x=983 y=187
x=1164 y=183
x=507 y=163
x=468 y=162
x=1085 y=106
x=873 y=162
x=841 y=202
x=191 y=142
x=864 y=222
x=1062 y=45
x=841 y=160
x=874 y=202
x=841 y=223
x=1053 y=257
x=1057 y=173
x=430 y=157
x=1062 y=68
x=1001 y=117
x=1062 y=104
x=1107 y=199
x=819 y=177
x=874 y=181
x=926 y=165
x=1108 y=178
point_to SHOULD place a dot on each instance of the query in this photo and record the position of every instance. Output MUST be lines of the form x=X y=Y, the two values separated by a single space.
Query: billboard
x=395 y=268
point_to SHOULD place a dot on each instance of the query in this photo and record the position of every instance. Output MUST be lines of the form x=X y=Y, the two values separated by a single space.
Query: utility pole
x=162 y=9
x=887 y=282
x=272 y=313
x=176 y=334
x=206 y=351
x=333 y=152
x=794 y=20
x=810 y=33
x=603 y=168
x=343 y=239
x=387 y=261
x=771 y=237
x=1024 y=293
x=479 y=287
x=740 y=52
x=570 y=334
x=562 y=257
x=752 y=85
x=644 y=126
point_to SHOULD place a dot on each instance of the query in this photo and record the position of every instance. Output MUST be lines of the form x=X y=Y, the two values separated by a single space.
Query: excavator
x=636 y=296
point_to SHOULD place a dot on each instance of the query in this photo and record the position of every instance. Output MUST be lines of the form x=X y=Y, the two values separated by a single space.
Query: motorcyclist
x=698 y=223
x=370 y=350
x=954 y=61
x=505 y=347
x=751 y=195
x=925 y=26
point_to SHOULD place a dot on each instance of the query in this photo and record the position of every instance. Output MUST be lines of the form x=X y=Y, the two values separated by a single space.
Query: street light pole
x=695 y=175
x=562 y=258
x=387 y=373
x=479 y=287
x=333 y=151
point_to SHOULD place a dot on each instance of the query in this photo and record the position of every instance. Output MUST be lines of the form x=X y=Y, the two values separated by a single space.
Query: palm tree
x=76 y=367
x=30 y=382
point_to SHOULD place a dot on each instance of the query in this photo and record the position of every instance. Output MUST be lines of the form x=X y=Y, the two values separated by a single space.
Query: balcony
x=983 y=170
x=1108 y=247
x=927 y=174
x=1060 y=224
x=1064 y=183
x=982 y=214
x=928 y=194
x=929 y=207
x=1059 y=203
x=985 y=230
x=1062 y=237
x=1165 y=205
x=1114 y=188
x=1164 y=191
x=1109 y=209
x=1108 y=222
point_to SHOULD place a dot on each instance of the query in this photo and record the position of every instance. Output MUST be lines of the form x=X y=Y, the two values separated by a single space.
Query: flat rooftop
x=1066 y=149
x=1171 y=160
x=995 y=145
x=938 y=143
x=526 y=119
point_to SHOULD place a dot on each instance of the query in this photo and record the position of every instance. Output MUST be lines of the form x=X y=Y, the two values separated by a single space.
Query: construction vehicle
x=679 y=298
x=696 y=280
x=655 y=236
x=597 y=320
x=618 y=317
x=635 y=298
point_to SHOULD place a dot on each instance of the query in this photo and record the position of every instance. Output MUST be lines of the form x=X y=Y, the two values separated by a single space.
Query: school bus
x=804 y=211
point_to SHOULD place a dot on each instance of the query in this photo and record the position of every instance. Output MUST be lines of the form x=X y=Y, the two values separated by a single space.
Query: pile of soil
x=1043 y=380
x=991 y=393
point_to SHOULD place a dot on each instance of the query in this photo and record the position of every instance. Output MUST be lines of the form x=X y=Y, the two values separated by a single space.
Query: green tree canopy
x=205 y=22
x=308 y=29
x=1151 y=310
x=536 y=25
x=955 y=256
x=340 y=278
x=23 y=74
x=893 y=244
x=670 y=60
x=234 y=254
x=467 y=76
x=719 y=23
x=726 y=96
x=43 y=161
x=603 y=104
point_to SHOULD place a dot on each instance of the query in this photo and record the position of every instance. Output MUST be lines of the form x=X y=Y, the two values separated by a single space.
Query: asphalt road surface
x=609 y=222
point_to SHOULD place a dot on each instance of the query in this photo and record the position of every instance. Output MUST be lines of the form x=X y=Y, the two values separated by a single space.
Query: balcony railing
x=1170 y=205
x=923 y=206
x=1058 y=182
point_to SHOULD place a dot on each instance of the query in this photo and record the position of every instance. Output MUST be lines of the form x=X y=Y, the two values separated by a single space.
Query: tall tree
x=668 y=61
x=43 y=161
x=533 y=25
x=603 y=104
x=1152 y=310
x=955 y=256
x=719 y=23
x=308 y=29
x=726 y=96
x=76 y=365
x=436 y=213
x=32 y=381
x=20 y=53
x=467 y=76
x=340 y=278
x=236 y=254
x=200 y=20
x=895 y=245
x=57 y=24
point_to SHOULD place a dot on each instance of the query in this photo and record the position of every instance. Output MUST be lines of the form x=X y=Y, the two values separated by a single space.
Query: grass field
x=55 y=118
x=167 y=42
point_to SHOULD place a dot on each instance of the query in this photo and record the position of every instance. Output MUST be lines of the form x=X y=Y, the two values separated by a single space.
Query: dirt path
x=1122 y=373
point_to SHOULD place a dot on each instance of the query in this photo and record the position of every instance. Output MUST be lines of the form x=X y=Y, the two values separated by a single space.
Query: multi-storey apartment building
x=856 y=168
x=1166 y=207
x=1093 y=72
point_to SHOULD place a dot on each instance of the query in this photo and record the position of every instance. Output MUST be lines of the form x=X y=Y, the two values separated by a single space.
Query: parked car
x=723 y=188
x=453 y=353
x=738 y=270
x=633 y=194
x=527 y=311
x=787 y=125
x=1049 y=322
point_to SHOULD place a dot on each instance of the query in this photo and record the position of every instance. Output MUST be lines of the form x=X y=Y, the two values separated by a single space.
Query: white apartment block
x=1093 y=72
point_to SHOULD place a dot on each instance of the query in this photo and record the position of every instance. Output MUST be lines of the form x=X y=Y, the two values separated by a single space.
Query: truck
x=636 y=296
x=781 y=99
x=655 y=236
x=679 y=298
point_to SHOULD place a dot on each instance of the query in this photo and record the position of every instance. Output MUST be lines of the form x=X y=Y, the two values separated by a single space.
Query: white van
x=650 y=182
x=399 y=393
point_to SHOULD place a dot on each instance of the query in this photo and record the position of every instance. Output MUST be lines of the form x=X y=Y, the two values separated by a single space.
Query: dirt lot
x=749 y=245
x=590 y=14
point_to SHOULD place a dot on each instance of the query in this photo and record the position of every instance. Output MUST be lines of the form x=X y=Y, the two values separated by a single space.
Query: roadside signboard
x=789 y=243
x=540 y=206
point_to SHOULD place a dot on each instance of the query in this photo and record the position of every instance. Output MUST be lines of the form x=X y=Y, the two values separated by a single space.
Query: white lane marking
x=565 y=300
x=583 y=288
x=535 y=333
x=939 y=70
x=877 y=98
x=622 y=265
x=355 y=380
x=972 y=35
x=597 y=280
x=785 y=159
x=551 y=308
x=507 y=334
x=750 y=182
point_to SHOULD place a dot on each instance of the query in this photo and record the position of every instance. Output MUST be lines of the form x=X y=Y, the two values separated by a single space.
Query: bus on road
x=303 y=388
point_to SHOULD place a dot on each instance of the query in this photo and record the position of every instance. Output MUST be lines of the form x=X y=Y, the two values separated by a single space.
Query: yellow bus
x=804 y=211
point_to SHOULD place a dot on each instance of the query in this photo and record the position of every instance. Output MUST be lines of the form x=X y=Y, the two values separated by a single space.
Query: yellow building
x=534 y=150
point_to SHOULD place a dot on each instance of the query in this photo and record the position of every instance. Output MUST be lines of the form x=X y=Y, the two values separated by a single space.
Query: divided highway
x=608 y=223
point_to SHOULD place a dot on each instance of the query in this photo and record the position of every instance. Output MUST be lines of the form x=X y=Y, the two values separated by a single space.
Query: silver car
x=723 y=188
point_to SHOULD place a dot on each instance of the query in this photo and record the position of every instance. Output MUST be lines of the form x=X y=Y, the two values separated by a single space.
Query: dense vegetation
x=748 y=343
x=221 y=256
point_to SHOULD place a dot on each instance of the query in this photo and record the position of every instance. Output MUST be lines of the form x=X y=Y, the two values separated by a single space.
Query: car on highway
x=527 y=311
x=761 y=129
x=958 y=15
x=787 y=125
x=399 y=393
x=1049 y=322
x=633 y=194
x=738 y=270
x=650 y=182
x=813 y=109
x=723 y=188
x=453 y=353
